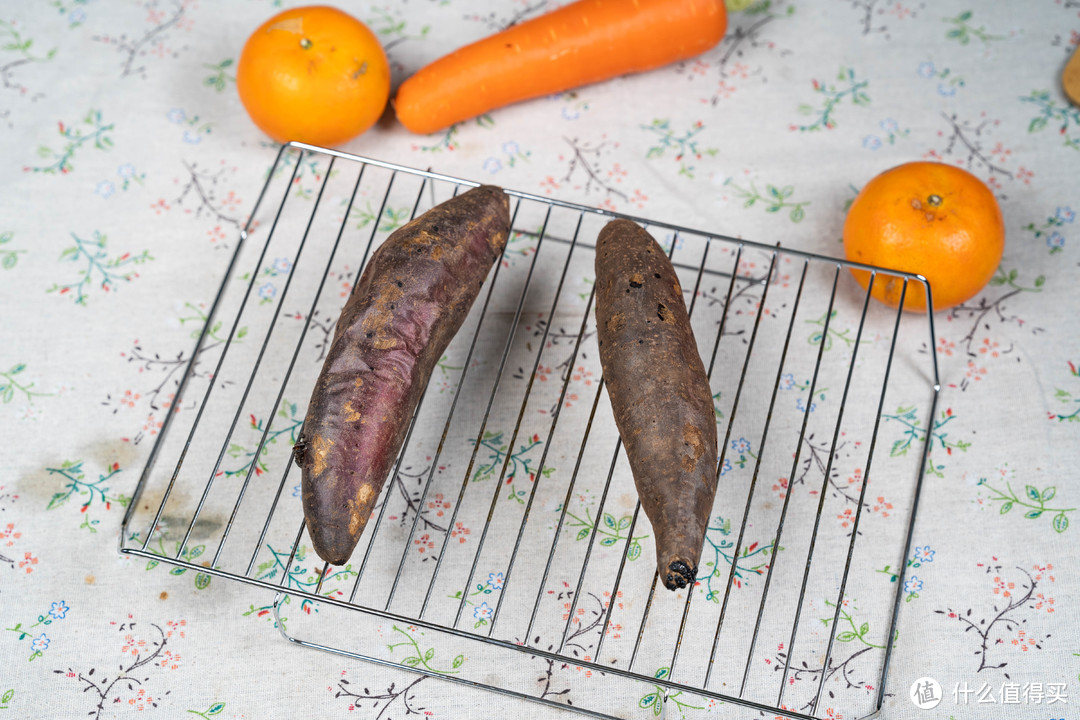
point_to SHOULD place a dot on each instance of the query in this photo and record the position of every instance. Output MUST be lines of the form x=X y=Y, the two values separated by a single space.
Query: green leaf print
x=774 y=199
x=8 y=257
x=93 y=131
x=846 y=87
x=963 y=33
x=1033 y=500
x=422 y=657
x=1064 y=118
x=10 y=385
x=98 y=268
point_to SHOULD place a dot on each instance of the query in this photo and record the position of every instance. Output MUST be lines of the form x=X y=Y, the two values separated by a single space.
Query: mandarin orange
x=313 y=74
x=929 y=218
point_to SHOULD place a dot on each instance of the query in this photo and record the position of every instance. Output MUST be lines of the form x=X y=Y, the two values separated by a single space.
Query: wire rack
x=508 y=535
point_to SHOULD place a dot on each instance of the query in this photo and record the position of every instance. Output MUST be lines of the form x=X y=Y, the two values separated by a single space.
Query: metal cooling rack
x=211 y=501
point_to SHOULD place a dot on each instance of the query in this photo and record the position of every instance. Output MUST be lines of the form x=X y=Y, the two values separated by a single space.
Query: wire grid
x=571 y=559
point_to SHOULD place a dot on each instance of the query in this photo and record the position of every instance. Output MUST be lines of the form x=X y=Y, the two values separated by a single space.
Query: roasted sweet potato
x=659 y=393
x=411 y=300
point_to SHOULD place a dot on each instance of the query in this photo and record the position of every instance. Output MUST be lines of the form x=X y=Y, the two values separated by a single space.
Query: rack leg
x=280 y=596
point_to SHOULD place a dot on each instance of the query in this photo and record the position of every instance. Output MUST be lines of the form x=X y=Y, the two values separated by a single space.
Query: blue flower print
x=924 y=554
x=926 y=69
x=871 y=142
x=126 y=171
x=725 y=468
x=483 y=611
x=946 y=90
x=511 y=148
x=495 y=580
x=492 y=165
x=177 y=116
x=890 y=126
x=282 y=265
x=1065 y=214
x=77 y=17
x=105 y=189
x=40 y=643
x=787 y=381
x=192 y=138
x=802 y=406
x=58 y=610
x=912 y=584
x=1055 y=240
x=741 y=446
x=267 y=291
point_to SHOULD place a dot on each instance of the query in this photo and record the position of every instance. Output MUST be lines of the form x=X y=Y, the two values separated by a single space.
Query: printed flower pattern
x=924 y=554
x=40 y=643
x=58 y=610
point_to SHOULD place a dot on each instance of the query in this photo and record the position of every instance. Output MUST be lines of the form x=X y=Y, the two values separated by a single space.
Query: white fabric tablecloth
x=130 y=167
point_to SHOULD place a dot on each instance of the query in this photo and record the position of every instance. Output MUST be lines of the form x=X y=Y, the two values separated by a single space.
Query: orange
x=936 y=220
x=313 y=74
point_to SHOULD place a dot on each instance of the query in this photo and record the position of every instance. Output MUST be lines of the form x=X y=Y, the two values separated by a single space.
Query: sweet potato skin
x=411 y=300
x=660 y=393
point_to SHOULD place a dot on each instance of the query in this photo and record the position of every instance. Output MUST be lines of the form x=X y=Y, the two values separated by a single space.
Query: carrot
x=659 y=392
x=585 y=42
x=410 y=302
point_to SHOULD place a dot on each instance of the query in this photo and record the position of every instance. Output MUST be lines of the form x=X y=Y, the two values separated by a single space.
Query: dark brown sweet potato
x=411 y=300
x=659 y=393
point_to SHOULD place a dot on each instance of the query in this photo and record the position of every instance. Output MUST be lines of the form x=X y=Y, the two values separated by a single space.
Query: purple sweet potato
x=659 y=393
x=410 y=302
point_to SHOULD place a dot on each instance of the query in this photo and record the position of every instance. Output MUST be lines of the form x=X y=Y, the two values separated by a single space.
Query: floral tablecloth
x=130 y=168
